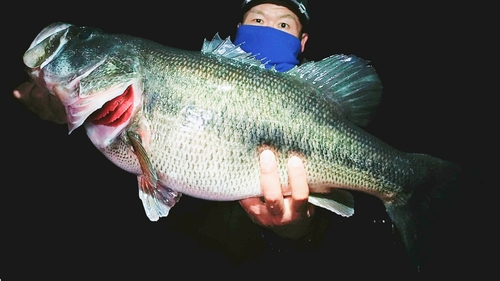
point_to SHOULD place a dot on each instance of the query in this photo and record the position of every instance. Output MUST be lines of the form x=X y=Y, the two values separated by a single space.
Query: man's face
x=278 y=17
x=275 y=16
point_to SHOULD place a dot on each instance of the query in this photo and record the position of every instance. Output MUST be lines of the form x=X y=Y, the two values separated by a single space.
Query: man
x=275 y=32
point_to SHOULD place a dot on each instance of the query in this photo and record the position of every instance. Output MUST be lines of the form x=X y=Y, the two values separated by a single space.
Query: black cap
x=297 y=7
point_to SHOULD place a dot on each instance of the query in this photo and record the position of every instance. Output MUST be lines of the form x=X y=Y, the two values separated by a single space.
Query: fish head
x=89 y=71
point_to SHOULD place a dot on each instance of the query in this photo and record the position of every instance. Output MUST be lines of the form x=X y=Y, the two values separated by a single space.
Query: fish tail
x=416 y=218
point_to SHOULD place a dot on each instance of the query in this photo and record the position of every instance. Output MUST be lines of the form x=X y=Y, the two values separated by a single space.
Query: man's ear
x=303 y=40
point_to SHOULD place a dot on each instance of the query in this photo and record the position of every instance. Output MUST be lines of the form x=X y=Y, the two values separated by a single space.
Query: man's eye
x=258 y=20
x=283 y=25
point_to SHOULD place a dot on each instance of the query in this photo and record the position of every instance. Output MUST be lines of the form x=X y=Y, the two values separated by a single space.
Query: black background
x=67 y=212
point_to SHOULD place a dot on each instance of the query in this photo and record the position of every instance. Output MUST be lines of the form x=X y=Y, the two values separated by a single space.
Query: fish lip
x=38 y=55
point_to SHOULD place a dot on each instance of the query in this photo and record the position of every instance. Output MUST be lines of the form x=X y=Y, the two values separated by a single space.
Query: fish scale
x=195 y=123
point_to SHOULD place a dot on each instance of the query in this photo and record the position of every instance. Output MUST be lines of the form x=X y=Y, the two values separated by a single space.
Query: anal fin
x=338 y=201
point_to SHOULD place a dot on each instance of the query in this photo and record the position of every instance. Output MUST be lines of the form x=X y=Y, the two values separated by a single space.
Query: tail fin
x=415 y=220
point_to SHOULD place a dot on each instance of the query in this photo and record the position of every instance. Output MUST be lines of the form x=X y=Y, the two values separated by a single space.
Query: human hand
x=41 y=102
x=288 y=214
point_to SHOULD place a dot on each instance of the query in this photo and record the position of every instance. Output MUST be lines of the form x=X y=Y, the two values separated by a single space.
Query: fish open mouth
x=115 y=111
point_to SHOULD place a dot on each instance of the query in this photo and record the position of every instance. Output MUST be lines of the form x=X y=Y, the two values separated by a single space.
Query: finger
x=23 y=91
x=254 y=207
x=270 y=183
x=28 y=94
x=297 y=178
x=298 y=183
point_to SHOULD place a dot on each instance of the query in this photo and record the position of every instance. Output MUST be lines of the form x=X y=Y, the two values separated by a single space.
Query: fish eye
x=85 y=33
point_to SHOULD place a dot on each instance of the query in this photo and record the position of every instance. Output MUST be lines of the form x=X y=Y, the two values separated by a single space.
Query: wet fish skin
x=194 y=123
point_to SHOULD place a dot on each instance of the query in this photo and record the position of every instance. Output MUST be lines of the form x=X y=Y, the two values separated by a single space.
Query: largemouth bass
x=194 y=123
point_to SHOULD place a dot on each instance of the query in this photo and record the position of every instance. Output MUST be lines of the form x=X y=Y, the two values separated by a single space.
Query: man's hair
x=297 y=7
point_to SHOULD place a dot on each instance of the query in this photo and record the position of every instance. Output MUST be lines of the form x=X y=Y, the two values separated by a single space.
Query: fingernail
x=295 y=161
x=266 y=156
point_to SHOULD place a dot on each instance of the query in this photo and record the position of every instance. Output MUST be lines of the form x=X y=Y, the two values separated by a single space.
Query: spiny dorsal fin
x=225 y=48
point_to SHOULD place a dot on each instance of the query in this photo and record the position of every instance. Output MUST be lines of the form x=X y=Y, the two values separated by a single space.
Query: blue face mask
x=272 y=46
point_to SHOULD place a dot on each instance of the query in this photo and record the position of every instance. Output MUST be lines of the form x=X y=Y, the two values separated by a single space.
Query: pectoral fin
x=156 y=199
x=338 y=201
x=148 y=172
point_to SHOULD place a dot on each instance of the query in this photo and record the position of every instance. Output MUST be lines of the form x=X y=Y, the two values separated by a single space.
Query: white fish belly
x=200 y=163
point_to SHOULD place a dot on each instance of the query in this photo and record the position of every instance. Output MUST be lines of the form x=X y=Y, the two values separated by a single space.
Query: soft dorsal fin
x=349 y=81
